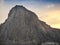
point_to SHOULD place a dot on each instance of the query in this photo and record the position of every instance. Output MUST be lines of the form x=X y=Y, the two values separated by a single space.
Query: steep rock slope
x=24 y=28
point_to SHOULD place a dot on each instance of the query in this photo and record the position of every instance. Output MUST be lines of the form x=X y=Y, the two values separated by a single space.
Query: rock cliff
x=24 y=28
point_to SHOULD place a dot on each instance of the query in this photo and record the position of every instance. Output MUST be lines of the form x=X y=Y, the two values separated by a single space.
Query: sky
x=46 y=10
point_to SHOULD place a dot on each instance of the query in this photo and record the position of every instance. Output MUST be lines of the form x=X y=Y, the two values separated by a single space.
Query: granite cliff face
x=24 y=28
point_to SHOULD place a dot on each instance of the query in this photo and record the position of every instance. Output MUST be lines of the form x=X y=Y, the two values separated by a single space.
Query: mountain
x=24 y=28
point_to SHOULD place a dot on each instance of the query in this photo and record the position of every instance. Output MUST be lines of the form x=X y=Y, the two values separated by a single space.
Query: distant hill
x=24 y=28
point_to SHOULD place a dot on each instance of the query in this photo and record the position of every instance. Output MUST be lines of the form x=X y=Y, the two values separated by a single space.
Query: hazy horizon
x=47 y=10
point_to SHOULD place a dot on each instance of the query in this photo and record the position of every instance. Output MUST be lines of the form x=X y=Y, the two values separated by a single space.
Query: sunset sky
x=47 y=10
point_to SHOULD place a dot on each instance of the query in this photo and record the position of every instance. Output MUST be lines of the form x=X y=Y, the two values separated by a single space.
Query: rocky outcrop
x=24 y=28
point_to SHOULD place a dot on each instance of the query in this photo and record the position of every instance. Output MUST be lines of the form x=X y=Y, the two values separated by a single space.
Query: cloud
x=50 y=6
